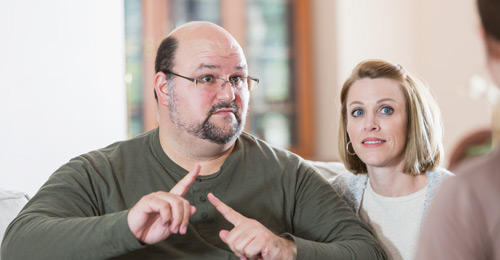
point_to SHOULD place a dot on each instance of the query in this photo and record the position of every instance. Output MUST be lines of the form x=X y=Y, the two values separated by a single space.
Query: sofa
x=11 y=202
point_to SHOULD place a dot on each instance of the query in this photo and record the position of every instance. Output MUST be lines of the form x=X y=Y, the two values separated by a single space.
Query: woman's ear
x=161 y=88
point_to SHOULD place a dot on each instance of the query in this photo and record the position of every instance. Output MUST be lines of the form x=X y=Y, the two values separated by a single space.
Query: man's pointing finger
x=183 y=185
x=231 y=215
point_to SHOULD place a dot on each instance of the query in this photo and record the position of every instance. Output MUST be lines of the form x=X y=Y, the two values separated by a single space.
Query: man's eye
x=236 y=79
x=207 y=79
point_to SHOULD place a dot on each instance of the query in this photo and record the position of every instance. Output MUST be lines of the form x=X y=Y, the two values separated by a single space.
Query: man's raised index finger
x=183 y=185
x=230 y=214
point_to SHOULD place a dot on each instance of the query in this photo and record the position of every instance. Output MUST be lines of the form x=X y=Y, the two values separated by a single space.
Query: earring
x=347 y=149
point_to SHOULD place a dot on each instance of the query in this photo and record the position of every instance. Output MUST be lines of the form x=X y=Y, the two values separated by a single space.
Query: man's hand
x=157 y=215
x=249 y=239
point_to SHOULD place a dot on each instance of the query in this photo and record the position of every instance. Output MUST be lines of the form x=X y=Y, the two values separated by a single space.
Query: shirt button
x=204 y=215
x=198 y=179
x=203 y=199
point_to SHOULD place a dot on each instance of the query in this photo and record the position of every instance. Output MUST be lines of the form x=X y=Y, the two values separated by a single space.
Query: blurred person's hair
x=424 y=148
x=489 y=13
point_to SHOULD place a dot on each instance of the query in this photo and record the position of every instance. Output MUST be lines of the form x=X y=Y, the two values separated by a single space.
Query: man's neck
x=187 y=150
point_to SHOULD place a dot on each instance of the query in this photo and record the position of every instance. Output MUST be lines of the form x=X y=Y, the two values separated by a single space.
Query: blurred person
x=242 y=198
x=464 y=220
x=390 y=135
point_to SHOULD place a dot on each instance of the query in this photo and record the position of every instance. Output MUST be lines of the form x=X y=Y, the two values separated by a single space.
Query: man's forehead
x=211 y=54
x=220 y=46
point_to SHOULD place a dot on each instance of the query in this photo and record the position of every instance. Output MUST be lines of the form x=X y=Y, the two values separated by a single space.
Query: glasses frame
x=250 y=87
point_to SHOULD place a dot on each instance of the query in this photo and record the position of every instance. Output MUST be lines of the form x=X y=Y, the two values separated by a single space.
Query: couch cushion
x=10 y=204
x=328 y=169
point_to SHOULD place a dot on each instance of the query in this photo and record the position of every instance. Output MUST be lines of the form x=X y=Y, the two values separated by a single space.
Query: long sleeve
x=65 y=220
x=321 y=211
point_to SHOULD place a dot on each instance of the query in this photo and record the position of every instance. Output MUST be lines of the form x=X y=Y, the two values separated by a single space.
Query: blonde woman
x=390 y=139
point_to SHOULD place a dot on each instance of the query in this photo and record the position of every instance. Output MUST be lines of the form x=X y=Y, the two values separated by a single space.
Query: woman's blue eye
x=387 y=110
x=357 y=112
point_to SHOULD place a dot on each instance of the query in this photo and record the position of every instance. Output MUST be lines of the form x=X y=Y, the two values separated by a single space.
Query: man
x=464 y=220
x=135 y=199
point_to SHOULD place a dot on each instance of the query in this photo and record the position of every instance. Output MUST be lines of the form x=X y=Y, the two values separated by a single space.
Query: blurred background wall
x=61 y=85
x=62 y=73
x=436 y=40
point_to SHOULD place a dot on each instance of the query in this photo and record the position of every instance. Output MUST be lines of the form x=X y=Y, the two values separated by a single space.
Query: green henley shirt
x=81 y=211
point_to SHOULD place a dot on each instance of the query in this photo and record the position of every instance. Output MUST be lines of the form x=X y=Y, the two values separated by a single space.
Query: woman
x=390 y=139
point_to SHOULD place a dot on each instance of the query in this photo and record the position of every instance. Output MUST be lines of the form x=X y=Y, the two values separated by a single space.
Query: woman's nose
x=371 y=124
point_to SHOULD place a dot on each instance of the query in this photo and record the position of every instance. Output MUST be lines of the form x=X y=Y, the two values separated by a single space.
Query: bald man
x=241 y=198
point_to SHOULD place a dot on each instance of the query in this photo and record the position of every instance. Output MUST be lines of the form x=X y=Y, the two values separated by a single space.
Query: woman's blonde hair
x=424 y=148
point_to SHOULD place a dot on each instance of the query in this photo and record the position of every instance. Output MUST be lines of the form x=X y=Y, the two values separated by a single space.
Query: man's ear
x=161 y=88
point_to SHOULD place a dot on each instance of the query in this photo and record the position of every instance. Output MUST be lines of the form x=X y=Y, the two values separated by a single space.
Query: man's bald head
x=190 y=34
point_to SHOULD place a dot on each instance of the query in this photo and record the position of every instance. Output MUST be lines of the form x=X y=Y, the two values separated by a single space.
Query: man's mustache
x=231 y=105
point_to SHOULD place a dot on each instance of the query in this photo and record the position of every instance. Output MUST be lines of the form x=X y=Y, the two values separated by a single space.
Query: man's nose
x=226 y=93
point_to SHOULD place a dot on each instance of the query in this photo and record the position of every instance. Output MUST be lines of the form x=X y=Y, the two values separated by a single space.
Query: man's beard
x=207 y=130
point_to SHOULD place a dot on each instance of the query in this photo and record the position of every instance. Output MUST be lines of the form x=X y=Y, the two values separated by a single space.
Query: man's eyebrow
x=213 y=66
x=241 y=67
x=207 y=66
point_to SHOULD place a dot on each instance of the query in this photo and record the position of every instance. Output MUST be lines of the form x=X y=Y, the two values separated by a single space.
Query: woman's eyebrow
x=355 y=103
x=386 y=99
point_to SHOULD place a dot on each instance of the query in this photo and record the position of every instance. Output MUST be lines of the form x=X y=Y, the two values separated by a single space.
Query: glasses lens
x=238 y=82
x=252 y=83
x=213 y=83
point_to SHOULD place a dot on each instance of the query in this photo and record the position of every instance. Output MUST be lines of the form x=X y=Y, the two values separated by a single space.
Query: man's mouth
x=225 y=108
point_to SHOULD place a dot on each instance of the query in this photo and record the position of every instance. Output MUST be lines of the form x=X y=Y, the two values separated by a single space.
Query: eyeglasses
x=210 y=81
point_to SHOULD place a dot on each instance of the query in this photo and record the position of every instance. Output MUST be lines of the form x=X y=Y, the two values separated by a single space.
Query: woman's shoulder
x=350 y=187
x=345 y=176
x=435 y=178
x=349 y=182
x=438 y=175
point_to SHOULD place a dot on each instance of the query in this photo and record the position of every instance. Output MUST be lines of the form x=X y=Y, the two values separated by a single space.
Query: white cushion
x=328 y=169
x=10 y=204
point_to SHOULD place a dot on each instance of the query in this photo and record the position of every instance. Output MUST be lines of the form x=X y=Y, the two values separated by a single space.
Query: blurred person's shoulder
x=479 y=179
x=481 y=168
x=476 y=189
